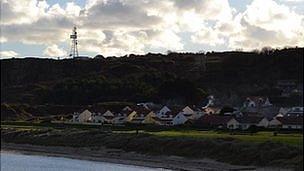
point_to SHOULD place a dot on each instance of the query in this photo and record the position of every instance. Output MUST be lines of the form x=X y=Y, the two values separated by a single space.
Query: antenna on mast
x=74 y=49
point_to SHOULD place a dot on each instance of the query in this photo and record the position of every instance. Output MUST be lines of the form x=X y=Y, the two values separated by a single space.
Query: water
x=21 y=162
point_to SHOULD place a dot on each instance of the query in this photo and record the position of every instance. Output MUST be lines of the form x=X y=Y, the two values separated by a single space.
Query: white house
x=295 y=111
x=163 y=111
x=127 y=108
x=287 y=122
x=263 y=123
x=167 y=119
x=254 y=102
x=120 y=118
x=108 y=115
x=275 y=123
x=246 y=122
x=98 y=118
x=211 y=110
x=85 y=116
x=284 y=110
x=140 y=116
x=233 y=124
x=187 y=110
x=130 y=116
x=179 y=119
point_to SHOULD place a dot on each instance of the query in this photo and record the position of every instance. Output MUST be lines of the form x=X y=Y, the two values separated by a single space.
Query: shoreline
x=127 y=158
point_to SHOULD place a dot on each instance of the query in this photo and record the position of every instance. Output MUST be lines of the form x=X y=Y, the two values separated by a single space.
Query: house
x=295 y=111
x=167 y=118
x=246 y=122
x=213 y=121
x=179 y=119
x=151 y=118
x=189 y=113
x=140 y=115
x=287 y=122
x=291 y=122
x=147 y=105
x=120 y=118
x=187 y=110
x=130 y=115
x=284 y=110
x=108 y=115
x=212 y=110
x=163 y=111
x=256 y=101
x=127 y=108
x=275 y=123
x=185 y=114
x=85 y=116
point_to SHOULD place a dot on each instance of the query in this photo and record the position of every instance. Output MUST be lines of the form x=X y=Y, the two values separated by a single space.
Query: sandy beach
x=121 y=157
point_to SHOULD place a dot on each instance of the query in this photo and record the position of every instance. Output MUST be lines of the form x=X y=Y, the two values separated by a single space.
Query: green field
x=295 y=139
x=291 y=139
x=241 y=148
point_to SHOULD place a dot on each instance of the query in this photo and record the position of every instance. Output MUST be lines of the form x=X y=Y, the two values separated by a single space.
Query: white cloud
x=54 y=51
x=8 y=54
x=2 y=39
x=20 y=12
x=208 y=36
x=118 y=27
x=266 y=23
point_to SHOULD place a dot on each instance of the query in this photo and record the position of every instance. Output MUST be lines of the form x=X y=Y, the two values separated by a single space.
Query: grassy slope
x=193 y=144
x=291 y=139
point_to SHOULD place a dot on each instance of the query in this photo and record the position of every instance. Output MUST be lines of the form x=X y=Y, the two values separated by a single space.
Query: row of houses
x=139 y=115
x=245 y=122
x=208 y=116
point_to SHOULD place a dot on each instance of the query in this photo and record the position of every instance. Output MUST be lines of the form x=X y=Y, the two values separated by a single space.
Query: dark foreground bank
x=94 y=143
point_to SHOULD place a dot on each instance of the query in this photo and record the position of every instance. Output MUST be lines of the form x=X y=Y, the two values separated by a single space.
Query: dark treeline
x=175 y=77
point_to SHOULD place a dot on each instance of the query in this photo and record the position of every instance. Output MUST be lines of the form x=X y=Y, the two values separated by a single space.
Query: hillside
x=175 y=78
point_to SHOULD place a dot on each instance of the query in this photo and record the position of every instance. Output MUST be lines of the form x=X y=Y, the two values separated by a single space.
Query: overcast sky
x=119 y=27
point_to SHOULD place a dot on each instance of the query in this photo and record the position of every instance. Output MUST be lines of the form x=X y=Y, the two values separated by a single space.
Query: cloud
x=207 y=9
x=20 y=12
x=207 y=36
x=266 y=23
x=118 y=27
x=54 y=51
x=2 y=39
x=8 y=54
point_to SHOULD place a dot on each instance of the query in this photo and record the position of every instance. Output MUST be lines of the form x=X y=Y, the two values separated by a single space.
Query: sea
x=22 y=162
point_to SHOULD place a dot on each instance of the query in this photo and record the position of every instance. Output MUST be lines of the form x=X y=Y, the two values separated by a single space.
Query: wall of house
x=179 y=119
x=274 y=123
x=85 y=116
x=263 y=123
x=131 y=116
x=233 y=124
x=292 y=126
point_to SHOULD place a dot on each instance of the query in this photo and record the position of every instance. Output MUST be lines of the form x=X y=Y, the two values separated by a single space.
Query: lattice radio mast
x=74 y=49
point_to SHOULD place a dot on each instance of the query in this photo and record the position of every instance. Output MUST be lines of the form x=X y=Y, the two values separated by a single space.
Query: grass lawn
x=291 y=139
x=295 y=139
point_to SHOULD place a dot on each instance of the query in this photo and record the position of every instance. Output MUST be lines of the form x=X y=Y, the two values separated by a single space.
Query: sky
x=41 y=28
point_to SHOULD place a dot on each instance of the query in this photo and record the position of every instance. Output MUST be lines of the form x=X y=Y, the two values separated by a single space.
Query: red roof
x=249 y=119
x=291 y=120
